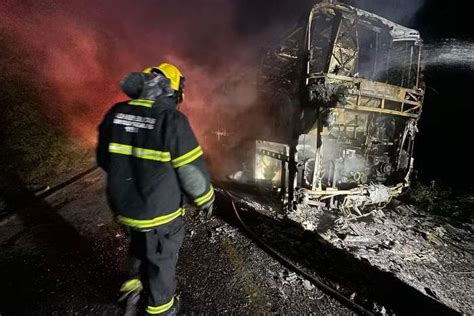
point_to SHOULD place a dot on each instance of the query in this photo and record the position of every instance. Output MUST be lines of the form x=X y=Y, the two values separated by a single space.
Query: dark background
x=445 y=141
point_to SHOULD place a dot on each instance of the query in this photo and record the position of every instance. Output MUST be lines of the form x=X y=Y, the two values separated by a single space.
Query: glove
x=208 y=211
x=205 y=211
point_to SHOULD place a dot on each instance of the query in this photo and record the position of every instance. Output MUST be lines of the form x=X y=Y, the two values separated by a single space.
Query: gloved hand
x=208 y=211
x=205 y=211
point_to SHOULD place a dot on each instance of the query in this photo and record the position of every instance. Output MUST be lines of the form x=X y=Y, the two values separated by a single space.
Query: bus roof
x=397 y=31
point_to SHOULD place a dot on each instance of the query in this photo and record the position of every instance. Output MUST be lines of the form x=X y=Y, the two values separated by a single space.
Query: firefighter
x=153 y=163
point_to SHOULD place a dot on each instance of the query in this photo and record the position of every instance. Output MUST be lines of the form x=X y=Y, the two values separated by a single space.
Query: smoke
x=450 y=53
x=77 y=51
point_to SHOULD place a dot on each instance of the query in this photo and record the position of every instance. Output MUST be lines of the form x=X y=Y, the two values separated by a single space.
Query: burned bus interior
x=345 y=94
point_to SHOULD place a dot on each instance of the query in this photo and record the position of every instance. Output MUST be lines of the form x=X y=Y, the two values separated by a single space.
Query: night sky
x=446 y=135
x=70 y=56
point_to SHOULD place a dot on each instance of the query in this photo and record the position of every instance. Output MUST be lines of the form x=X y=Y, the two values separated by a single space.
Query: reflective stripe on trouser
x=160 y=309
x=131 y=285
x=155 y=253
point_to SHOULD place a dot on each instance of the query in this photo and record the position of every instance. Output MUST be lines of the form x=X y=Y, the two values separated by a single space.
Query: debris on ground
x=418 y=250
x=226 y=230
x=427 y=251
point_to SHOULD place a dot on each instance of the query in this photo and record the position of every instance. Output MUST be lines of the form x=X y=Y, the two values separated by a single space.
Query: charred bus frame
x=344 y=94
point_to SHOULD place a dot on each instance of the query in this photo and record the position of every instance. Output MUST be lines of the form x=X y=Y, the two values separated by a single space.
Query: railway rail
x=266 y=247
x=68 y=182
x=376 y=291
x=290 y=265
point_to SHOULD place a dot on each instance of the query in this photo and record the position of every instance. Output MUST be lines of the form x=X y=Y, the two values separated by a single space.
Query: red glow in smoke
x=81 y=49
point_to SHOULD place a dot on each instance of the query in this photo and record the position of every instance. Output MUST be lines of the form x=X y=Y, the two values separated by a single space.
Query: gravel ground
x=66 y=255
x=235 y=276
x=393 y=262
x=430 y=253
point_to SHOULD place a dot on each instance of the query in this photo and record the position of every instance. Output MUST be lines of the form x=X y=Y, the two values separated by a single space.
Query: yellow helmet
x=171 y=72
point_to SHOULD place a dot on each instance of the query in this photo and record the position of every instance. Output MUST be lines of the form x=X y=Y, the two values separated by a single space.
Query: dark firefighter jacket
x=151 y=157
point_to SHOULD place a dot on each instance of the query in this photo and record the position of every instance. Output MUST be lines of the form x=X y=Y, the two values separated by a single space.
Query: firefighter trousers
x=153 y=258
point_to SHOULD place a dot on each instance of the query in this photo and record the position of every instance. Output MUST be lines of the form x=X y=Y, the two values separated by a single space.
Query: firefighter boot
x=132 y=304
x=176 y=308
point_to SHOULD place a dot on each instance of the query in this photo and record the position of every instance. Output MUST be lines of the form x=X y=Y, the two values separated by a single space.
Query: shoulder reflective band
x=142 y=102
x=159 y=309
x=188 y=157
x=205 y=198
x=138 y=152
x=149 y=223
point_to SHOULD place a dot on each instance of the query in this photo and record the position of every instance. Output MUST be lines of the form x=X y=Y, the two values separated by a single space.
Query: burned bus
x=343 y=94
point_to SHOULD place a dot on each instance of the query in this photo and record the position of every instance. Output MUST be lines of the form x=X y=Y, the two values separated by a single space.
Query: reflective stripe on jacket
x=142 y=145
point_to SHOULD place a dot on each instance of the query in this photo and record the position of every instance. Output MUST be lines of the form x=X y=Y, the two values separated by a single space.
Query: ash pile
x=431 y=253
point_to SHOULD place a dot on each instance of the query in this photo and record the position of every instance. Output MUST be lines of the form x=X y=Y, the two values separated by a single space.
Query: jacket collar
x=162 y=101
